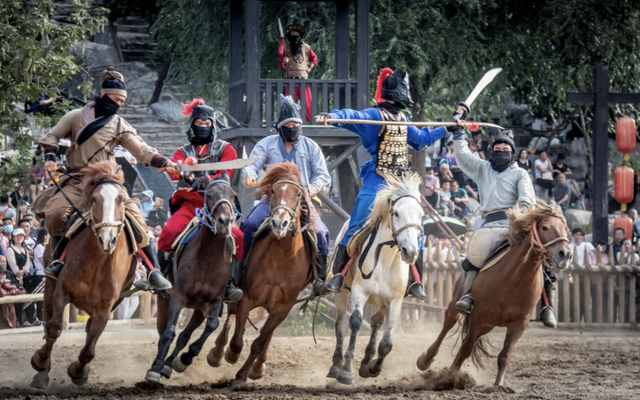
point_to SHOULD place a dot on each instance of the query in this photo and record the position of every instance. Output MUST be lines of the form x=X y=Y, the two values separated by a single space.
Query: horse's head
x=282 y=186
x=219 y=212
x=105 y=202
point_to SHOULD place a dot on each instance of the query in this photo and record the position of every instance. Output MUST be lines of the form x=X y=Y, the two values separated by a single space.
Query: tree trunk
x=162 y=76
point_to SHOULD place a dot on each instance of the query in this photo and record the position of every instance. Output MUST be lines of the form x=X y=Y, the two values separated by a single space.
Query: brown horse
x=506 y=293
x=278 y=269
x=98 y=267
x=202 y=271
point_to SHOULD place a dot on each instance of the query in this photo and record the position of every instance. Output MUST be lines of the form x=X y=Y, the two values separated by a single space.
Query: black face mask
x=201 y=135
x=290 y=135
x=295 y=42
x=500 y=160
x=105 y=107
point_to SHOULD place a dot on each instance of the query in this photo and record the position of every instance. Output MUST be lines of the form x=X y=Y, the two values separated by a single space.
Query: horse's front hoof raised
x=79 y=374
x=40 y=380
x=333 y=372
x=166 y=371
x=214 y=357
x=153 y=377
x=345 y=377
x=423 y=363
x=231 y=356
x=178 y=365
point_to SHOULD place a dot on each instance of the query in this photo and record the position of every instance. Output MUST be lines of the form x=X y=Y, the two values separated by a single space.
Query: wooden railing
x=325 y=96
x=591 y=295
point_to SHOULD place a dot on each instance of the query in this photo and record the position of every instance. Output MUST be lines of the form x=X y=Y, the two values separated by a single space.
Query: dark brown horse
x=278 y=269
x=201 y=273
x=97 y=269
x=506 y=293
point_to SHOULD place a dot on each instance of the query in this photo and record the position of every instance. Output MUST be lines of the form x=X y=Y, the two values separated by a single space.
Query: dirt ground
x=547 y=364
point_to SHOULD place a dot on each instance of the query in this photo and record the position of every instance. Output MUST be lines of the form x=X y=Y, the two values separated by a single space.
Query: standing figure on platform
x=297 y=60
x=203 y=147
x=94 y=131
x=389 y=149
x=289 y=145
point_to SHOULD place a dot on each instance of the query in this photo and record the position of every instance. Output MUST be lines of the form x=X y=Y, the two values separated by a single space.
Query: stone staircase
x=164 y=136
x=135 y=41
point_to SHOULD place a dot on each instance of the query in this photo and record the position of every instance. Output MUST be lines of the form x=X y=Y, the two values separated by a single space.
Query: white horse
x=378 y=276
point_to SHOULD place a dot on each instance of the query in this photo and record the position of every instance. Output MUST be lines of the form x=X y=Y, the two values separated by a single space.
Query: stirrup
x=232 y=293
x=335 y=283
x=465 y=304
x=417 y=290
x=54 y=269
x=318 y=288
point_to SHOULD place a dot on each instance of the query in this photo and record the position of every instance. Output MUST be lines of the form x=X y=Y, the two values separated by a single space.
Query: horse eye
x=545 y=228
x=395 y=214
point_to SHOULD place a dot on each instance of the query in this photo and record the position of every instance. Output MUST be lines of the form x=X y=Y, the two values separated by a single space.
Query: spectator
x=562 y=191
x=627 y=255
x=157 y=216
x=9 y=217
x=146 y=202
x=5 y=238
x=430 y=179
x=524 y=162
x=19 y=262
x=156 y=231
x=602 y=249
x=29 y=241
x=618 y=242
x=459 y=198
x=584 y=250
x=8 y=311
x=35 y=278
x=633 y=214
x=4 y=204
x=444 y=171
x=543 y=174
x=20 y=197
x=446 y=205
x=432 y=195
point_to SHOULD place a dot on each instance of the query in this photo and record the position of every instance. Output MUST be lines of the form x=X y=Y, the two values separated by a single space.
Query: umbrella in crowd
x=431 y=226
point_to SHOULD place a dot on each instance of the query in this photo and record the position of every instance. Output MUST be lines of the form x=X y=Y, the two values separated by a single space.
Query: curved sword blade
x=482 y=83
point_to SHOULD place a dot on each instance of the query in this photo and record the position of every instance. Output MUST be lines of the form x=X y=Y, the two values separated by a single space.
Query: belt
x=495 y=216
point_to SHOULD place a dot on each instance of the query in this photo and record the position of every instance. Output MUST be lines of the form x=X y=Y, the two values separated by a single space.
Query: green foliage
x=16 y=169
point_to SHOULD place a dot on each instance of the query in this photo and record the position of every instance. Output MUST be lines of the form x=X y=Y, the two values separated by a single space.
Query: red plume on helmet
x=384 y=74
x=187 y=109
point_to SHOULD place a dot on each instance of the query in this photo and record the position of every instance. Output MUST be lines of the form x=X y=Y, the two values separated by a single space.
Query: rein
x=293 y=212
x=536 y=242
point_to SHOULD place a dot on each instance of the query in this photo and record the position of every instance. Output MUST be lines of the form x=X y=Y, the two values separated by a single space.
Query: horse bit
x=291 y=211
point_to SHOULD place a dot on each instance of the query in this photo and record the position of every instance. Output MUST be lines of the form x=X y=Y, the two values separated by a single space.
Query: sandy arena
x=547 y=364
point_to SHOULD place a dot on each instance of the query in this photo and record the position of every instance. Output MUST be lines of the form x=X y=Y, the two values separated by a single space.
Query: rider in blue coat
x=388 y=147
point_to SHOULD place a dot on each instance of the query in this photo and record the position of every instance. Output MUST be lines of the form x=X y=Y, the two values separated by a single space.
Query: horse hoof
x=423 y=363
x=333 y=372
x=374 y=369
x=256 y=373
x=237 y=384
x=37 y=362
x=40 y=380
x=153 y=377
x=213 y=358
x=178 y=365
x=365 y=372
x=167 y=371
x=231 y=357
x=79 y=375
x=345 y=378
x=504 y=389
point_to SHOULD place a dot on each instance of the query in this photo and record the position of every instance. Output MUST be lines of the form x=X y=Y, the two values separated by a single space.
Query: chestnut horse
x=277 y=270
x=98 y=267
x=201 y=273
x=505 y=294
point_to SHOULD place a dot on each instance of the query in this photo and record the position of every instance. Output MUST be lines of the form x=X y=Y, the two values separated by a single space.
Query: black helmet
x=505 y=137
x=197 y=109
x=396 y=88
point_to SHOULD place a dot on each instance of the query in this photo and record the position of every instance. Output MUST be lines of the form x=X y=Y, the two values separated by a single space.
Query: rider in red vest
x=203 y=147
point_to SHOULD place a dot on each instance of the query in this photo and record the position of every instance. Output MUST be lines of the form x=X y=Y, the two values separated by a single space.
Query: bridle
x=206 y=216
x=537 y=243
x=293 y=212
x=95 y=227
x=395 y=232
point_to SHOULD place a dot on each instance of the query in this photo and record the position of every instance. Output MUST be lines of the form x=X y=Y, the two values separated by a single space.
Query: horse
x=98 y=267
x=381 y=276
x=201 y=271
x=505 y=293
x=278 y=268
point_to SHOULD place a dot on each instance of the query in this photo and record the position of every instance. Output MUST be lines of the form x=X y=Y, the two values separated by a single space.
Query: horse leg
x=450 y=319
x=166 y=338
x=213 y=320
x=340 y=329
x=215 y=354
x=260 y=344
x=183 y=339
x=54 y=308
x=386 y=344
x=358 y=300
x=376 y=322
x=235 y=347
x=514 y=332
x=78 y=371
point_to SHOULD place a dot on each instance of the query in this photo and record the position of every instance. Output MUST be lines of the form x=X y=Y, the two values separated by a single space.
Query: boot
x=54 y=268
x=415 y=287
x=319 y=288
x=155 y=280
x=547 y=316
x=341 y=259
x=465 y=304
x=232 y=293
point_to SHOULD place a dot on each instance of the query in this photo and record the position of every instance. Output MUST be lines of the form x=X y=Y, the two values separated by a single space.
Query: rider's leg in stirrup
x=232 y=293
x=155 y=280
x=415 y=287
x=465 y=304
x=547 y=316
x=339 y=262
x=320 y=271
x=54 y=268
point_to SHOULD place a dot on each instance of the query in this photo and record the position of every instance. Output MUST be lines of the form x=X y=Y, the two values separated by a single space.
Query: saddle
x=496 y=255
x=357 y=240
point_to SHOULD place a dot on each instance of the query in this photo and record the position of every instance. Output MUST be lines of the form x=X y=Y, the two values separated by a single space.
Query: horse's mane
x=394 y=188
x=522 y=221
x=276 y=172
x=99 y=172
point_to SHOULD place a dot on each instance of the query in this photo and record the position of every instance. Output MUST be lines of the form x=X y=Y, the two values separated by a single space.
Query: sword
x=217 y=166
x=486 y=79
x=407 y=123
x=280 y=30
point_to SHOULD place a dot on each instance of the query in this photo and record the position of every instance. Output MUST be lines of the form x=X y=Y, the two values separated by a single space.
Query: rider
x=94 y=131
x=502 y=185
x=289 y=145
x=388 y=148
x=204 y=147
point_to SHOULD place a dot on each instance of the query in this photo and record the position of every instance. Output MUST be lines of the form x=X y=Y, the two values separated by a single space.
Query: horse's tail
x=480 y=349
